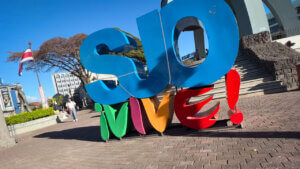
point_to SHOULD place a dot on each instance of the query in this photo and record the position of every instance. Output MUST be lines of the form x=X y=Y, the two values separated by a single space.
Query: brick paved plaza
x=269 y=139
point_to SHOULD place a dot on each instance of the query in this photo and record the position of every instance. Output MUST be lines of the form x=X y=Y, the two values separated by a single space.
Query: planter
x=32 y=125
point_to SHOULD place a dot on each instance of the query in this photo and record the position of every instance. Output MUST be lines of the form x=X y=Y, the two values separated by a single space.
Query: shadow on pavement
x=97 y=116
x=91 y=133
x=226 y=133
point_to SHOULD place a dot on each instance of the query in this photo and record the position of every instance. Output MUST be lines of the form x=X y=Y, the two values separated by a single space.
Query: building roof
x=35 y=103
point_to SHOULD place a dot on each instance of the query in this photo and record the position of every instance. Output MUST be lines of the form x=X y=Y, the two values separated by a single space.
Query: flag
x=27 y=57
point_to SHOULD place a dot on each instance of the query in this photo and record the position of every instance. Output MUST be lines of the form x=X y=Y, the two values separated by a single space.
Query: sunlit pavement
x=269 y=139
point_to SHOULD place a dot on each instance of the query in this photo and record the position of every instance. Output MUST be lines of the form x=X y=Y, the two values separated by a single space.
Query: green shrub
x=28 y=116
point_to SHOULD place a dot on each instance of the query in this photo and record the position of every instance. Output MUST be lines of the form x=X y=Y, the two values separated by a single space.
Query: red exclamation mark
x=233 y=82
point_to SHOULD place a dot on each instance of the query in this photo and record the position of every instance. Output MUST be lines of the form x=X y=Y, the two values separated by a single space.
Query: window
x=272 y=21
x=298 y=9
x=275 y=29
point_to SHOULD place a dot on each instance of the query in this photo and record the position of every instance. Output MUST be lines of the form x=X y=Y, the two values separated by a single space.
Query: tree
x=51 y=102
x=137 y=53
x=62 y=54
x=58 y=99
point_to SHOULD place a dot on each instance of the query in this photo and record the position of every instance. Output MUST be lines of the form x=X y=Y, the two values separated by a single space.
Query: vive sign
x=157 y=32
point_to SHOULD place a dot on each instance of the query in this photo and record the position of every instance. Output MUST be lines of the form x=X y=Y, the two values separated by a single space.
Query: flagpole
x=41 y=90
x=37 y=75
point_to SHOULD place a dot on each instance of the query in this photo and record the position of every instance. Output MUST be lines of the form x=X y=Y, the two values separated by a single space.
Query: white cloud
x=32 y=99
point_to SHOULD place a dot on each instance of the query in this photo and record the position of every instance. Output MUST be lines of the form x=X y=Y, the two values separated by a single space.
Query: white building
x=276 y=30
x=65 y=83
x=297 y=6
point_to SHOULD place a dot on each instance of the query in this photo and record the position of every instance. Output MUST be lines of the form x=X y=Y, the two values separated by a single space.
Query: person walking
x=71 y=106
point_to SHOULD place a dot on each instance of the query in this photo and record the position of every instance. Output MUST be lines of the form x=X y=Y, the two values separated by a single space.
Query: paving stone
x=212 y=166
x=186 y=163
x=228 y=166
x=250 y=166
x=198 y=164
x=151 y=167
x=275 y=165
x=279 y=159
x=191 y=167
x=270 y=139
x=219 y=162
x=180 y=167
x=291 y=165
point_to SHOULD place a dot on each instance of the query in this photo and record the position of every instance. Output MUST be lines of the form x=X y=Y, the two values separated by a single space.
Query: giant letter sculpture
x=139 y=120
x=223 y=37
x=161 y=114
x=233 y=82
x=156 y=30
x=130 y=83
x=186 y=113
x=104 y=130
x=157 y=34
x=113 y=120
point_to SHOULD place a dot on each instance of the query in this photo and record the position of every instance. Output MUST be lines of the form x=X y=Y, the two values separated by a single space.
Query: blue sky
x=39 y=20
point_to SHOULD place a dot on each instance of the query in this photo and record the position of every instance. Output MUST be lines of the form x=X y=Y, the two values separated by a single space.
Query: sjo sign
x=157 y=32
